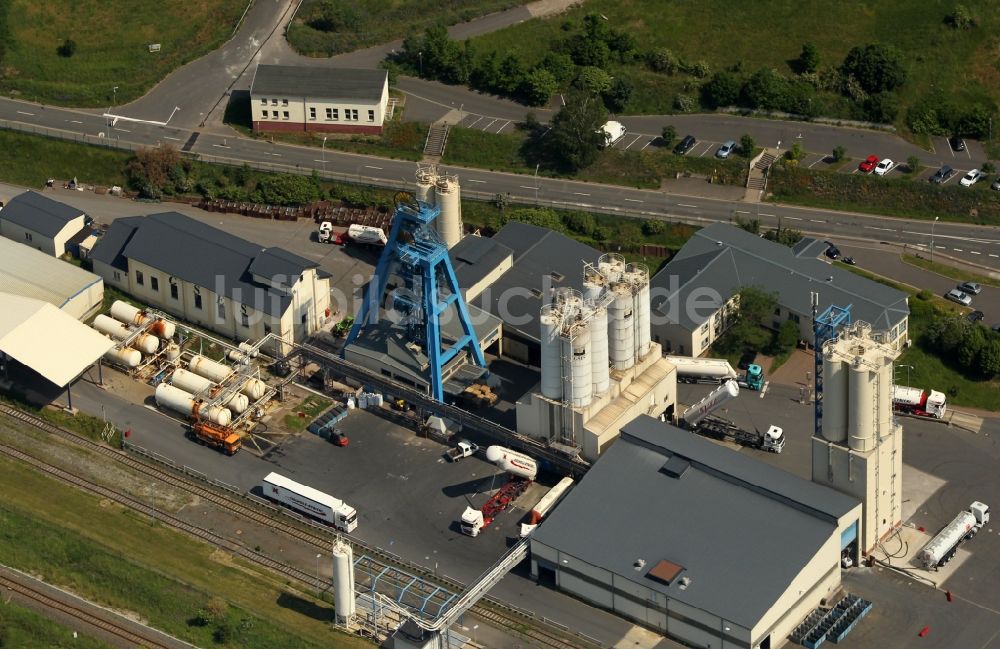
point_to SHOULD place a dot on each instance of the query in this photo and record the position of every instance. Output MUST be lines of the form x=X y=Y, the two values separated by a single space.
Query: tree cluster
x=941 y=115
x=975 y=349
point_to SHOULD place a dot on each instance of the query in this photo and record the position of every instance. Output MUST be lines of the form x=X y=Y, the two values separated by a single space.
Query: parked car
x=971 y=178
x=832 y=251
x=849 y=261
x=975 y=316
x=726 y=149
x=868 y=164
x=956 y=143
x=996 y=185
x=972 y=288
x=942 y=174
x=996 y=327
x=338 y=438
x=685 y=145
x=884 y=167
x=956 y=295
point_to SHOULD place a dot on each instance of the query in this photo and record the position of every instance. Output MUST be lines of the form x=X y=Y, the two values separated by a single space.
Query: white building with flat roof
x=29 y=273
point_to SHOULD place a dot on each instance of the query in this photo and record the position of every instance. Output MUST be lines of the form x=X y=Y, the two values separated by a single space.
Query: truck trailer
x=522 y=470
x=311 y=502
x=943 y=546
x=914 y=401
x=698 y=419
x=715 y=370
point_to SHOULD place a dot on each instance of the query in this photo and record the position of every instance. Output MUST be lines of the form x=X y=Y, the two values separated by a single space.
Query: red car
x=868 y=164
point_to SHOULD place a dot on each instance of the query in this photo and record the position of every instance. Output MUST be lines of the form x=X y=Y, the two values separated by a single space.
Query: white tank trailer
x=514 y=463
x=694 y=370
x=131 y=315
x=205 y=388
x=146 y=343
x=966 y=524
x=914 y=401
x=343 y=582
x=715 y=400
x=184 y=403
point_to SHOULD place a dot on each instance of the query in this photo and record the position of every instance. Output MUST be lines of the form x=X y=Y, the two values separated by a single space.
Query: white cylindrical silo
x=834 y=396
x=209 y=369
x=182 y=402
x=254 y=388
x=884 y=388
x=449 y=222
x=599 y=359
x=861 y=411
x=343 y=582
x=426 y=177
x=578 y=385
x=551 y=353
x=621 y=328
x=125 y=356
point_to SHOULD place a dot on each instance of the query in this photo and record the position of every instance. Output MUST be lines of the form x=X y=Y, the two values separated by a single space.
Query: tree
x=766 y=89
x=579 y=222
x=594 y=81
x=787 y=338
x=662 y=60
x=750 y=225
x=808 y=62
x=651 y=227
x=560 y=65
x=839 y=153
x=332 y=16
x=961 y=18
x=747 y=145
x=756 y=306
x=882 y=108
x=511 y=74
x=575 y=137
x=150 y=170
x=618 y=95
x=989 y=358
x=913 y=163
x=700 y=69
x=975 y=121
x=589 y=51
x=621 y=43
x=876 y=67
x=542 y=217
x=723 y=89
x=67 y=49
x=973 y=343
x=537 y=86
x=668 y=134
x=287 y=189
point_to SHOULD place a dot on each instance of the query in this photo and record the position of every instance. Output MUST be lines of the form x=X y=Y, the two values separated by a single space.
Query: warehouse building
x=695 y=296
x=213 y=279
x=42 y=223
x=295 y=98
x=720 y=550
x=33 y=274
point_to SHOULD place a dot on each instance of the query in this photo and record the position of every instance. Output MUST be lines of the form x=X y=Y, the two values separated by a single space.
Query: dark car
x=975 y=316
x=338 y=438
x=942 y=174
x=849 y=261
x=956 y=143
x=996 y=185
x=833 y=252
x=685 y=145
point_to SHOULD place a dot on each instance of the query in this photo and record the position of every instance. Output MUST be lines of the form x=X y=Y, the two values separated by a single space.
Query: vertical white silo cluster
x=444 y=191
x=595 y=294
x=343 y=582
x=567 y=372
x=638 y=277
x=621 y=311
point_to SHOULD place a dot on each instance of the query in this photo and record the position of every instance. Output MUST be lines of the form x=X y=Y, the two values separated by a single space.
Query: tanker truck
x=914 y=401
x=943 y=546
x=698 y=418
x=715 y=370
x=522 y=470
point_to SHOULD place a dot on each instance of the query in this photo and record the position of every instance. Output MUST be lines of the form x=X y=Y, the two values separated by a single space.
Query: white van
x=612 y=131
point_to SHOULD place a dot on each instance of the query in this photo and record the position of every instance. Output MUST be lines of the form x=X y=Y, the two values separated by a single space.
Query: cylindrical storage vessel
x=238 y=403
x=235 y=355
x=111 y=327
x=182 y=402
x=578 y=384
x=125 y=356
x=425 y=185
x=599 y=360
x=248 y=350
x=173 y=351
x=254 y=388
x=612 y=266
x=514 y=463
x=621 y=330
x=834 y=396
x=449 y=223
x=861 y=411
x=146 y=343
x=884 y=388
x=191 y=382
x=551 y=354
x=642 y=325
x=343 y=582
x=163 y=328
x=125 y=312
x=209 y=369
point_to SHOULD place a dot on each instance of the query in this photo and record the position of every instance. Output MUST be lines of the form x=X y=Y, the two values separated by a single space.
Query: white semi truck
x=698 y=419
x=311 y=502
x=914 y=401
x=522 y=470
x=943 y=546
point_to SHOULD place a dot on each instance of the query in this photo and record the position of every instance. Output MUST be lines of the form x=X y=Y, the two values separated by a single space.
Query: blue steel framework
x=417 y=255
x=825 y=326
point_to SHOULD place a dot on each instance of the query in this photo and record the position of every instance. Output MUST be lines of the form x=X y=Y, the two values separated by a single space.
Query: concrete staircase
x=757 y=178
x=437 y=138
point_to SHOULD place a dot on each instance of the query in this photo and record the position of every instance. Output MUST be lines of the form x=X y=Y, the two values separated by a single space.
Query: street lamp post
x=114 y=96
x=318 y=557
x=323 y=150
x=908 y=368
x=421 y=56
x=932 y=236
x=536 y=182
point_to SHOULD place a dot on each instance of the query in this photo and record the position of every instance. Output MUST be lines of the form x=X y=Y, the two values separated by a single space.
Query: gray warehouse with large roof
x=720 y=550
x=694 y=295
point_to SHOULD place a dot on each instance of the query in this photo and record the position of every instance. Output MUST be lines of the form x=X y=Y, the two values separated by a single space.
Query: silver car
x=956 y=295
x=726 y=149
x=970 y=288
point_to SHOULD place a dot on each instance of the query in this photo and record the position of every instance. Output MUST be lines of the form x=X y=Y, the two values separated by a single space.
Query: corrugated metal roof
x=39 y=213
x=33 y=274
x=52 y=343
x=726 y=258
x=742 y=529
x=319 y=82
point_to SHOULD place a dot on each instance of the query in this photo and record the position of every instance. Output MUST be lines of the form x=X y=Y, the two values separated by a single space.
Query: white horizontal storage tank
x=210 y=369
x=129 y=314
x=834 y=396
x=182 y=402
x=514 y=463
x=621 y=327
x=199 y=385
x=343 y=582
x=551 y=354
x=449 y=223
x=861 y=411
x=145 y=343
x=578 y=385
x=124 y=356
x=254 y=389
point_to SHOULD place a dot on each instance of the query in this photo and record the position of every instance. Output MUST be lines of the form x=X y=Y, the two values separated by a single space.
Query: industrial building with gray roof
x=720 y=260
x=719 y=546
x=327 y=83
x=41 y=222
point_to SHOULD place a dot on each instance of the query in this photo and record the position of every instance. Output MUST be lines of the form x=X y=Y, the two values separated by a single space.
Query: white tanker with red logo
x=514 y=463
x=914 y=401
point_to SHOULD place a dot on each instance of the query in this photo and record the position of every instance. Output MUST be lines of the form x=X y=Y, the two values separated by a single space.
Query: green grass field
x=358 y=25
x=960 y=65
x=30 y=160
x=112 y=46
x=117 y=558
x=23 y=628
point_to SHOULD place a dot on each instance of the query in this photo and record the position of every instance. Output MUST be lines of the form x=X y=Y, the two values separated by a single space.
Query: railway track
x=106 y=624
x=489 y=608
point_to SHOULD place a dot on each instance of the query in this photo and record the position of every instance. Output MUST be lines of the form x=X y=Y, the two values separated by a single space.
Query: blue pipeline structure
x=417 y=255
x=825 y=326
